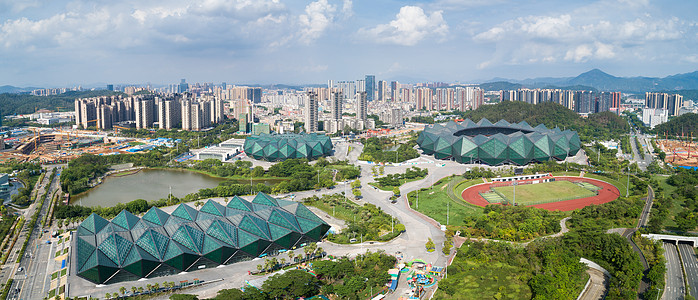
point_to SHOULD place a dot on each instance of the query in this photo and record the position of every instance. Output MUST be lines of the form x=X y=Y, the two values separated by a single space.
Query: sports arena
x=497 y=143
x=563 y=193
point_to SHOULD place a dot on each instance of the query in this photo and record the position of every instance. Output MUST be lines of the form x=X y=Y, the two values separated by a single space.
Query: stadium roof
x=497 y=143
x=158 y=243
x=276 y=147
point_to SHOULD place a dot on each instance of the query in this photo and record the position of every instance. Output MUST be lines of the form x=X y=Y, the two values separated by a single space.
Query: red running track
x=607 y=193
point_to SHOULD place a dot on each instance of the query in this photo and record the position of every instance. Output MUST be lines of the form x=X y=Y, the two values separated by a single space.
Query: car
x=394 y=201
x=20 y=269
x=48 y=242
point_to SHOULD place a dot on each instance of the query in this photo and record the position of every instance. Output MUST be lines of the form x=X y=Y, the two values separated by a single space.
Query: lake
x=149 y=184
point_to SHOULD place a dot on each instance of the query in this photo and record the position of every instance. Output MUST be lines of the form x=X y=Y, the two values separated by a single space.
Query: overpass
x=693 y=240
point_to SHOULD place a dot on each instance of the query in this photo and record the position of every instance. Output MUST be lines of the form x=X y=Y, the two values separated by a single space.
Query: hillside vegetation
x=600 y=126
x=685 y=124
x=11 y=104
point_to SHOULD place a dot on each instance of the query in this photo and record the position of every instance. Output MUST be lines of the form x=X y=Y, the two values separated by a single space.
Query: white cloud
x=410 y=26
x=347 y=8
x=579 y=54
x=574 y=37
x=318 y=16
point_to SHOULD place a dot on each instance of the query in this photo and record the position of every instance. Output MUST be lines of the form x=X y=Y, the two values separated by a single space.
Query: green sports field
x=545 y=192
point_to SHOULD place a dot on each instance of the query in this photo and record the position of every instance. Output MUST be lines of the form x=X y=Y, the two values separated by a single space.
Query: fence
x=593 y=191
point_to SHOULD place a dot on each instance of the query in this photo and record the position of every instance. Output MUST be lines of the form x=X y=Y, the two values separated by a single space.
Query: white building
x=654 y=116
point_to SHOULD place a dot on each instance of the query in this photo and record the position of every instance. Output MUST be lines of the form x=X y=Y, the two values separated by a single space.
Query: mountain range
x=602 y=81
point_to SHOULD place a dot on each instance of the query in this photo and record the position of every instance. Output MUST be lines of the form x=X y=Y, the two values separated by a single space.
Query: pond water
x=149 y=184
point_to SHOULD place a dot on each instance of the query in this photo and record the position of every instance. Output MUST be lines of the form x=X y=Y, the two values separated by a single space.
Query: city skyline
x=66 y=43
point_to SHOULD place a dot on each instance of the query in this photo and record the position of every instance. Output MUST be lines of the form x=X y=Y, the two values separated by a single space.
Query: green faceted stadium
x=278 y=147
x=498 y=143
x=158 y=244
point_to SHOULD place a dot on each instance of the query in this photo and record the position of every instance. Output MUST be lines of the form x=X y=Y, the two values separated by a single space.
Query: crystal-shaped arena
x=497 y=143
x=158 y=243
x=278 y=147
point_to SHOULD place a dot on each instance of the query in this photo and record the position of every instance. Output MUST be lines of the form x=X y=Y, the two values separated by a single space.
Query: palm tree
x=166 y=285
x=156 y=286
x=107 y=296
x=198 y=204
x=122 y=290
x=319 y=250
x=291 y=255
x=140 y=289
x=133 y=289
x=149 y=287
x=283 y=261
x=259 y=268
x=172 y=284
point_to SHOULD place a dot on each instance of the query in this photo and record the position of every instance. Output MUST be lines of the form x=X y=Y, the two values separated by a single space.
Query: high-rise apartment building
x=394 y=91
x=382 y=90
x=672 y=103
x=362 y=106
x=424 y=97
x=370 y=87
x=337 y=101
x=311 y=113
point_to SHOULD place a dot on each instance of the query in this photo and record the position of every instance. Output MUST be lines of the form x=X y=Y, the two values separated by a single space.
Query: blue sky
x=62 y=43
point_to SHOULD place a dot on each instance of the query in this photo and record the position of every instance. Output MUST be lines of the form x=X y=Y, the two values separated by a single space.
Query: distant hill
x=603 y=81
x=686 y=124
x=601 y=126
x=500 y=85
x=11 y=103
x=14 y=89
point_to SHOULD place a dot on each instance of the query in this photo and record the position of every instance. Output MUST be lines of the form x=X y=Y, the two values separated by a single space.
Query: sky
x=54 y=43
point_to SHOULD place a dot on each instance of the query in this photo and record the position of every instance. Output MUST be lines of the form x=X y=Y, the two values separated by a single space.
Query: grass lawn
x=677 y=203
x=434 y=201
x=460 y=187
x=489 y=281
x=544 y=192
x=568 y=173
x=390 y=187
x=340 y=211
x=619 y=184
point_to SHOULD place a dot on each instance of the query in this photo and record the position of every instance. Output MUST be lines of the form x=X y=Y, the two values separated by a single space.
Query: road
x=674 y=289
x=645 y=216
x=690 y=264
x=33 y=282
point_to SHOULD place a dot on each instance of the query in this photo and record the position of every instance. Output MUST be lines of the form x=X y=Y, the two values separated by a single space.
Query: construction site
x=679 y=152
x=60 y=146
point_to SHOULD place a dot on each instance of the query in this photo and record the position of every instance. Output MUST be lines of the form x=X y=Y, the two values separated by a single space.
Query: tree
x=229 y=294
x=396 y=191
x=291 y=255
x=198 y=204
x=107 y=296
x=122 y=290
x=134 y=289
x=356 y=192
x=140 y=289
x=356 y=184
x=156 y=286
x=430 y=245
x=291 y=285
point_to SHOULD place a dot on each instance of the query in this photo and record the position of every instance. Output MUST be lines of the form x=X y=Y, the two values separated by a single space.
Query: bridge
x=693 y=240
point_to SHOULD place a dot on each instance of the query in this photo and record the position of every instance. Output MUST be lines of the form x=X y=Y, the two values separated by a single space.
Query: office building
x=382 y=90
x=654 y=116
x=370 y=82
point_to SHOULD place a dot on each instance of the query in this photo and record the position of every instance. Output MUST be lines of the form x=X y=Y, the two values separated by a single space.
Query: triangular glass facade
x=129 y=247
x=497 y=143
x=278 y=147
